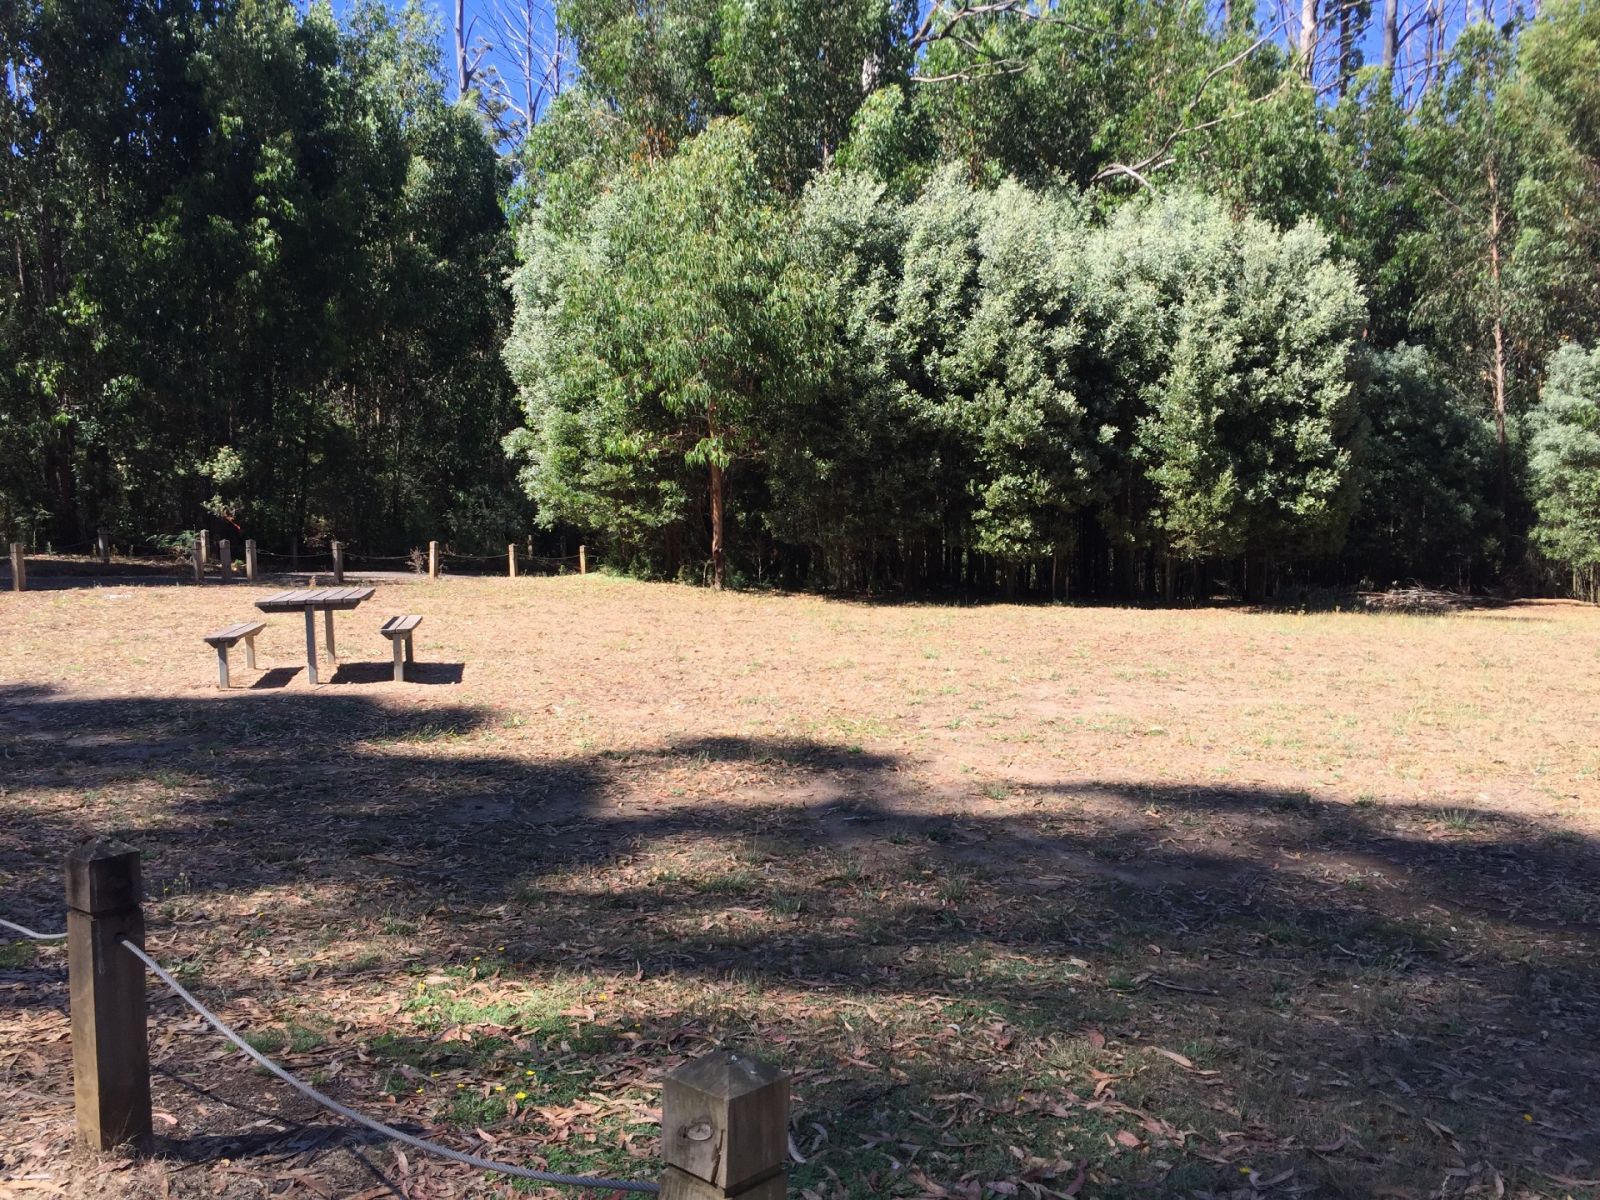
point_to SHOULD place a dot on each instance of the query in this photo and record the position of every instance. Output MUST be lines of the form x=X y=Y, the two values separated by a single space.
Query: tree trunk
x=1347 y=49
x=1255 y=578
x=719 y=563
x=1496 y=230
x=1391 y=33
x=461 y=47
x=1308 y=38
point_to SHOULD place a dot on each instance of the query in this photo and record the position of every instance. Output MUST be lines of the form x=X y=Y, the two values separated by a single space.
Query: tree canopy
x=1118 y=297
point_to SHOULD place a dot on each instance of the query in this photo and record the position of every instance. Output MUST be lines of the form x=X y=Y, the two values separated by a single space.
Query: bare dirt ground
x=1033 y=901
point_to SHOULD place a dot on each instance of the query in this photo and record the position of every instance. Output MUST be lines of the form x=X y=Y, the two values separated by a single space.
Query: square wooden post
x=225 y=557
x=205 y=545
x=583 y=561
x=338 y=562
x=110 y=1044
x=102 y=546
x=250 y=559
x=199 y=554
x=433 y=560
x=725 y=1129
x=19 y=568
x=511 y=559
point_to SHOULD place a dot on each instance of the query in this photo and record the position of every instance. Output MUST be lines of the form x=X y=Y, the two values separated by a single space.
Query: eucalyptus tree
x=1427 y=506
x=1249 y=440
x=1566 y=466
x=659 y=347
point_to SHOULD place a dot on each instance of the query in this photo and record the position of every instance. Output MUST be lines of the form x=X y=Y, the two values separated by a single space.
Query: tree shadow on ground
x=1355 y=977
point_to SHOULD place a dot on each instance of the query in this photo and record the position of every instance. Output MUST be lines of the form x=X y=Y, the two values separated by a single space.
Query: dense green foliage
x=1429 y=463
x=1116 y=297
x=1035 y=354
x=255 y=278
x=1566 y=465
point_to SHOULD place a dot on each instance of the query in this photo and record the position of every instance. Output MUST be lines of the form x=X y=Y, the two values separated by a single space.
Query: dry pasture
x=1034 y=901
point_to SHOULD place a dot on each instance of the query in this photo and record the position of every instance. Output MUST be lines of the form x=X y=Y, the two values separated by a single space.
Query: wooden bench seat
x=224 y=639
x=399 y=630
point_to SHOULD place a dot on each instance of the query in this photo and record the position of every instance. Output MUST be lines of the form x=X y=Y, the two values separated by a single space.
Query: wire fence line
x=34 y=934
x=318 y=554
x=388 y=1131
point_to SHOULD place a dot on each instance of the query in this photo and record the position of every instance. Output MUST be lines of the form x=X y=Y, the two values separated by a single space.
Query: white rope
x=305 y=1089
x=33 y=933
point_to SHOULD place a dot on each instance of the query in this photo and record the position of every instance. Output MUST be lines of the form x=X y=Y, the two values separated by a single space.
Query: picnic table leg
x=250 y=652
x=399 y=661
x=327 y=625
x=408 y=648
x=222 y=665
x=311 y=644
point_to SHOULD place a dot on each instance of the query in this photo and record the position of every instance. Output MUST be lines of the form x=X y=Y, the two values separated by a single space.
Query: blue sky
x=1271 y=14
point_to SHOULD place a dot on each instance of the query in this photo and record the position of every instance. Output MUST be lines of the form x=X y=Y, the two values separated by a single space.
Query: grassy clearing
x=1032 y=901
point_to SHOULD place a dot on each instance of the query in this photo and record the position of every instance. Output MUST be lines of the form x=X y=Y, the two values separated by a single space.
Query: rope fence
x=388 y=1131
x=724 y=1116
x=33 y=934
x=200 y=554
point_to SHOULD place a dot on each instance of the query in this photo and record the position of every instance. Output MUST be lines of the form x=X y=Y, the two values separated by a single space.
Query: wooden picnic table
x=329 y=600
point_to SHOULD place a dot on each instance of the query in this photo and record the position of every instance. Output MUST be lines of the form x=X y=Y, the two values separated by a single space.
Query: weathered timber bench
x=222 y=639
x=399 y=630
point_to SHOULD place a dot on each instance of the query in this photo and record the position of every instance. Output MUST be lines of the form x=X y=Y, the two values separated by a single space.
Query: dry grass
x=1035 y=901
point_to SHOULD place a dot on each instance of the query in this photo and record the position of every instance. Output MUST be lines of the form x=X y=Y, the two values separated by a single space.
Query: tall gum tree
x=671 y=345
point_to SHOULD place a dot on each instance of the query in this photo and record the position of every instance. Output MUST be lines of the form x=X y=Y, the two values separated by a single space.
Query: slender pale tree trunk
x=1308 y=38
x=529 y=95
x=461 y=47
x=1391 y=34
x=1496 y=231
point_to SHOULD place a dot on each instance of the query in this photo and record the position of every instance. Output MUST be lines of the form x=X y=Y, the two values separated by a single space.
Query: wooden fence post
x=102 y=546
x=583 y=561
x=433 y=560
x=205 y=545
x=110 y=1045
x=725 y=1129
x=19 y=568
x=250 y=559
x=199 y=554
x=338 y=562
x=225 y=557
x=511 y=559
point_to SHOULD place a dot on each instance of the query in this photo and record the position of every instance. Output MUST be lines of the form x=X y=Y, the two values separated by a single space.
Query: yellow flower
x=522 y=1095
x=499 y=1087
x=529 y=1074
x=602 y=996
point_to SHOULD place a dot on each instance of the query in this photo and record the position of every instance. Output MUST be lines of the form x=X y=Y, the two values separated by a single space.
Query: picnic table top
x=315 y=598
